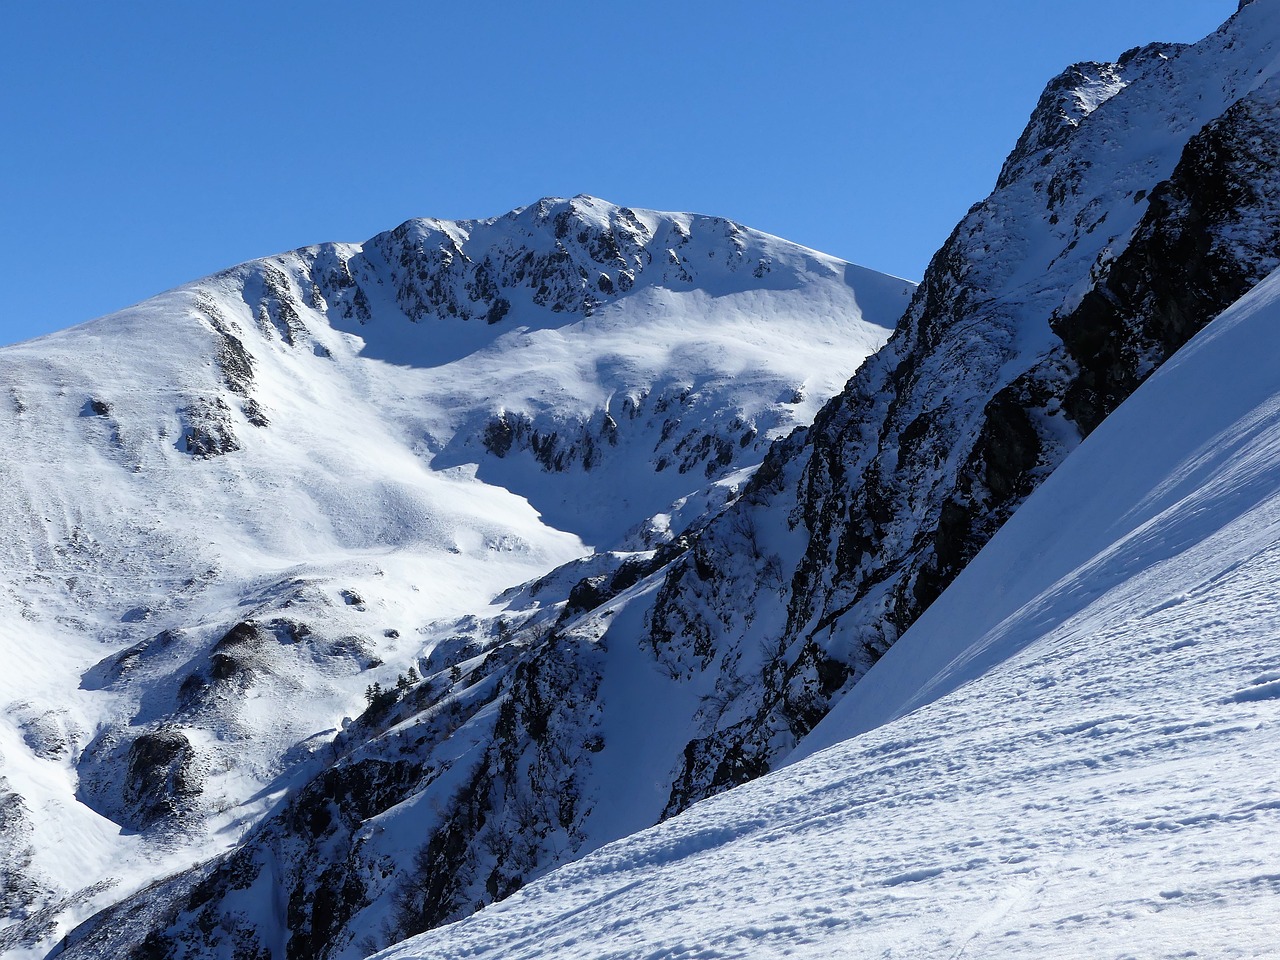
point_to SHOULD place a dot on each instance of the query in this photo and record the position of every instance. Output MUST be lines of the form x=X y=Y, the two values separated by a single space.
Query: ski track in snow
x=1075 y=758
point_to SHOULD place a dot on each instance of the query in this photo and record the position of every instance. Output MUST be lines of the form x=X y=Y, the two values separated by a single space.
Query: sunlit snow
x=366 y=508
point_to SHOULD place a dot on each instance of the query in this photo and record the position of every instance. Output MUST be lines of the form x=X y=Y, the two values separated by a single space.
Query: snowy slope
x=225 y=512
x=686 y=342
x=1072 y=753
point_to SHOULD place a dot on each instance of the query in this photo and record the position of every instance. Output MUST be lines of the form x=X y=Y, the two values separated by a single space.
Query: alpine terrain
x=566 y=584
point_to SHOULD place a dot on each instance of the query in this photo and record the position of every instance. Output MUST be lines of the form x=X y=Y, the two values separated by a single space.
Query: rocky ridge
x=1047 y=306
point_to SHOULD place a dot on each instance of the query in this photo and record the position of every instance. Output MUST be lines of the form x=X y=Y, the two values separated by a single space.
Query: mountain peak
x=563 y=256
x=287 y=489
x=1069 y=98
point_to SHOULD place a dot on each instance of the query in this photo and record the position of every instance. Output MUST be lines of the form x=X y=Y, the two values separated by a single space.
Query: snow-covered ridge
x=1051 y=301
x=569 y=256
x=1071 y=97
x=536 y=316
x=227 y=512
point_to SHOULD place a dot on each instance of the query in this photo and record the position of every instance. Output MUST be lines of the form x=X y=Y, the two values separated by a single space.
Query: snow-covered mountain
x=622 y=688
x=228 y=513
x=727 y=609
x=1072 y=753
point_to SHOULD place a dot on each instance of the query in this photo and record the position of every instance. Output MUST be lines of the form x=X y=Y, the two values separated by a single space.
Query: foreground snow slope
x=1072 y=753
x=226 y=511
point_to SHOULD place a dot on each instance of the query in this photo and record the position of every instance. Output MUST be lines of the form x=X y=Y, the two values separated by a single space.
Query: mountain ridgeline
x=1048 y=305
x=729 y=616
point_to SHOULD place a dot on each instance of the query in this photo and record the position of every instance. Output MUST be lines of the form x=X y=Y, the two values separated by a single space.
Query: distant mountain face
x=242 y=511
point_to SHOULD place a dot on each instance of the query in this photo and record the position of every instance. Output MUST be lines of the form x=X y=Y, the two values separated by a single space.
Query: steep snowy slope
x=1071 y=754
x=228 y=512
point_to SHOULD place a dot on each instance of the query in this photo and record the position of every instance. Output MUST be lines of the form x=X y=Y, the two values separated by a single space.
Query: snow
x=1067 y=755
x=632 y=769
x=1072 y=753
x=730 y=344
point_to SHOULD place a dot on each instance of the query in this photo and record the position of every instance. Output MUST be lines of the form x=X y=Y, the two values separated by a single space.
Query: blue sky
x=151 y=143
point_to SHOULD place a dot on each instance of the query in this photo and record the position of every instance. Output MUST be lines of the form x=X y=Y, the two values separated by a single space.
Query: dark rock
x=234 y=360
x=498 y=436
x=901 y=481
x=161 y=777
x=278 y=310
x=245 y=633
x=207 y=429
x=1180 y=271
x=254 y=413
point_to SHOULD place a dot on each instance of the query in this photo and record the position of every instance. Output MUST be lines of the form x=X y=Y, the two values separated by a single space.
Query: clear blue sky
x=151 y=143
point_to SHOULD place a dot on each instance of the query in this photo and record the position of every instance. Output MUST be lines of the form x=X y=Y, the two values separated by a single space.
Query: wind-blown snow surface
x=333 y=449
x=1072 y=753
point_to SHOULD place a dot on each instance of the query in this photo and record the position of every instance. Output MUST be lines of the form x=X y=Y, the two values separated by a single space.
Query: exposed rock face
x=679 y=438
x=207 y=429
x=482 y=816
x=1209 y=235
x=17 y=888
x=160 y=776
x=598 y=253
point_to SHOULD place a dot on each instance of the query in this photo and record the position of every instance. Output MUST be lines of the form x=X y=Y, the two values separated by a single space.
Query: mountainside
x=1139 y=204
x=1070 y=754
x=238 y=515
x=544 y=489
x=617 y=691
